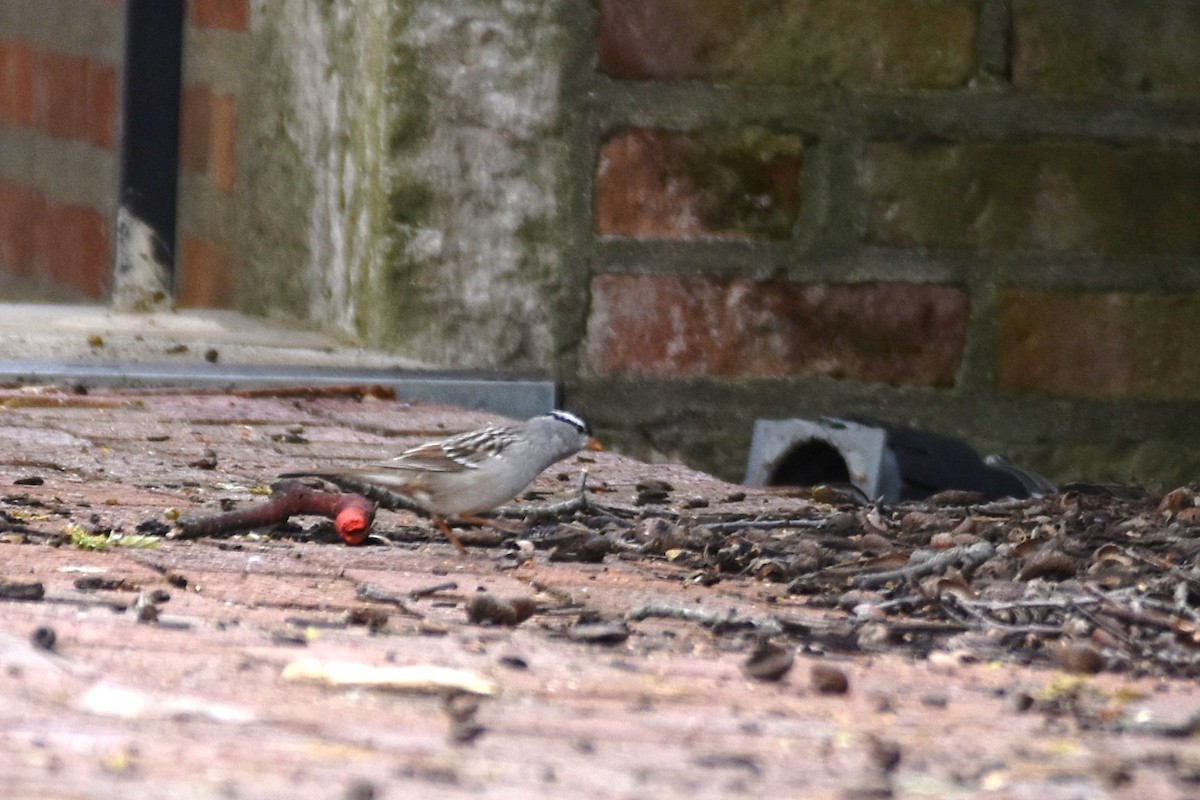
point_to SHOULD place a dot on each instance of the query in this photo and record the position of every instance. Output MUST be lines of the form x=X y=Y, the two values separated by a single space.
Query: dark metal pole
x=149 y=140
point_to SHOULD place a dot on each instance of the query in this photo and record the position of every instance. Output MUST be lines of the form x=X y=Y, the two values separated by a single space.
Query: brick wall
x=60 y=62
x=58 y=126
x=215 y=71
x=974 y=216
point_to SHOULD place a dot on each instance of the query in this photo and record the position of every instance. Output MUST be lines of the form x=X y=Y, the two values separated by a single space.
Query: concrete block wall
x=59 y=61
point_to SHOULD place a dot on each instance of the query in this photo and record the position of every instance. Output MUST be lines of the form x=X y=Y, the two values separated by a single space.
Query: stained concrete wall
x=398 y=172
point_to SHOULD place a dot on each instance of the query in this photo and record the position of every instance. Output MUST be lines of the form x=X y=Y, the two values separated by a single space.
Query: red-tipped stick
x=352 y=514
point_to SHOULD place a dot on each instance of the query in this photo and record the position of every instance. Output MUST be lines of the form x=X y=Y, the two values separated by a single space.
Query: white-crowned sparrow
x=471 y=472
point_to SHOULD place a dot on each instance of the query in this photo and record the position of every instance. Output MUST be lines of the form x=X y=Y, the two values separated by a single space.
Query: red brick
x=208 y=135
x=1104 y=345
x=21 y=213
x=102 y=105
x=74 y=248
x=872 y=44
x=195 y=128
x=671 y=326
x=16 y=83
x=206 y=276
x=232 y=15
x=1096 y=47
x=729 y=184
x=66 y=96
x=223 y=144
x=1067 y=196
x=66 y=244
x=61 y=82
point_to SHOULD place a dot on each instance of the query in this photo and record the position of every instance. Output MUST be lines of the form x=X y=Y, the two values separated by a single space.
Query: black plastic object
x=931 y=463
x=880 y=461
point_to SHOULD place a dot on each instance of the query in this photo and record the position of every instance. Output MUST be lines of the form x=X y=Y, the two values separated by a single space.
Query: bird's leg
x=440 y=524
x=494 y=524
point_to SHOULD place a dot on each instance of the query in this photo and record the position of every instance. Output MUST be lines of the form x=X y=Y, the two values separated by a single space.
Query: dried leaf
x=768 y=662
x=1047 y=564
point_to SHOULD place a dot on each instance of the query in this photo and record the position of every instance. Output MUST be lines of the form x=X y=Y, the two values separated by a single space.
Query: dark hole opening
x=808 y=464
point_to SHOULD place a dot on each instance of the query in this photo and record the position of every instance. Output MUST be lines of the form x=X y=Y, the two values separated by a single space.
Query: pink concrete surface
x=196 y=706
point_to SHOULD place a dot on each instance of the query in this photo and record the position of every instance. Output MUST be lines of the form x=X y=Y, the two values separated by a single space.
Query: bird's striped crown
x=572 y=420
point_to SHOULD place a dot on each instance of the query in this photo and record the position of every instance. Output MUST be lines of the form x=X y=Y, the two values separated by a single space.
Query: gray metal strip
x=502 y=393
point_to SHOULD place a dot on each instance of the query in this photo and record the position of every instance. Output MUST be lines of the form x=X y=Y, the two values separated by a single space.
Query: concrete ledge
x=93 y=346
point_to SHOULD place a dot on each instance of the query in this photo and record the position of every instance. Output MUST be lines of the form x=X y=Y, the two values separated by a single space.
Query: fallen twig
x=718 y=623
x=425 y=591
x=566 y=508
x=375 y=594
x=977 y=611
x=926 y=562
x=759 y=524
x=352 y=513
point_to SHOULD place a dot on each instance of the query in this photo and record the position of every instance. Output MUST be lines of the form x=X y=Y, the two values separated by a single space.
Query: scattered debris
x=485 y=607
x=206 y=461
x=374 y=594
x=110 y=700
x=606 y=633
x=718 y=623
x=416 y=679
x=768 y=661
x=737 y=761
x=429 y=591
x=828 y=679
x=361 y=789
x=15 y=590
x=293 y=434
x=373 y=619
x=146 y=608
x=652 y=491
x=1079 y=657
x=461 y=708
x=105 y=539
x=969 y=593
x=514 y=661
x=291 y=637
x=44 y=638
x=885 y=753
x=583 y=547
x=97 y=583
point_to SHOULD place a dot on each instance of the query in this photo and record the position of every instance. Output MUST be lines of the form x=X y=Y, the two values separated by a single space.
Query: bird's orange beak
x=594 y=444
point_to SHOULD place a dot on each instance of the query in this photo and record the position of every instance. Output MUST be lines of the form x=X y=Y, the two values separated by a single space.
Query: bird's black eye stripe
x=572 y=420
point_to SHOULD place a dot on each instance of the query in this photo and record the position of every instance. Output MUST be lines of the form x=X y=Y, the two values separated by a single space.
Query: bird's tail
x=366 y=483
